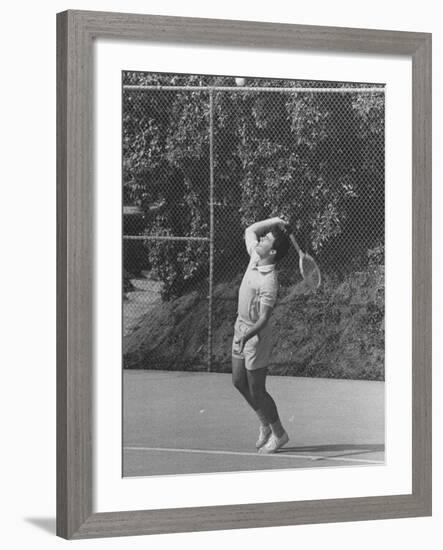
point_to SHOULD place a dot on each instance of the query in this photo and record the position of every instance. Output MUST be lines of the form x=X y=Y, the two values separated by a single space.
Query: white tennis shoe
x=263 y=436
x=274 y=443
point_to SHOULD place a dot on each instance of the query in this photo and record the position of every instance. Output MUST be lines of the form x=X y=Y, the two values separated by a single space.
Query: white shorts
x=257 y=350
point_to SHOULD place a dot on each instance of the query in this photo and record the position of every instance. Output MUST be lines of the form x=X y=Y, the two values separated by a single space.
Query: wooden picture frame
x=76 y=31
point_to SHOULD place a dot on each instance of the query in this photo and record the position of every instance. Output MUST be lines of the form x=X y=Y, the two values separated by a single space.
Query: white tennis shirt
x=259 y=285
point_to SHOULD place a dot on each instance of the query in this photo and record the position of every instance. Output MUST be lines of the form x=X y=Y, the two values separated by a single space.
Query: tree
x=316 y=158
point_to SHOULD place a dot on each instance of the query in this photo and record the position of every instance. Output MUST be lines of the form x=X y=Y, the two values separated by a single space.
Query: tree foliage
x=315 y=158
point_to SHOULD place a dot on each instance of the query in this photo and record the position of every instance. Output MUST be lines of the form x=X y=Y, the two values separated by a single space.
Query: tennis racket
x=308 y=268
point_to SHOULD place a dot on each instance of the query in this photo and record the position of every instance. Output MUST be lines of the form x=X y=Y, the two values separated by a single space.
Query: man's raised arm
x=259 y=229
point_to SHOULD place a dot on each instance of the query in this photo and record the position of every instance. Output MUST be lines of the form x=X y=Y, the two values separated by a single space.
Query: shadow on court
x=336 y=448
x=335 y=451
x=180 y=422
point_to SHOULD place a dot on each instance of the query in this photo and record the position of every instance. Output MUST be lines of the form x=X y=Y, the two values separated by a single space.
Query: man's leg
x=260 y=397
x=264 y=401
x=239 y=378
x=240 y=381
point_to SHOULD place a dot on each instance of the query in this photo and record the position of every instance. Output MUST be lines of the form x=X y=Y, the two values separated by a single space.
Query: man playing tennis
x=267 y=243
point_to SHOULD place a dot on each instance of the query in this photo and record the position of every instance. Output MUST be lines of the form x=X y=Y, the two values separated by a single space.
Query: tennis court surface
x=186 y=422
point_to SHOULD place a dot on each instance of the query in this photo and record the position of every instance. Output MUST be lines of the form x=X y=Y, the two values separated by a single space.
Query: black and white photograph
x=253 y=274
x=222 y=302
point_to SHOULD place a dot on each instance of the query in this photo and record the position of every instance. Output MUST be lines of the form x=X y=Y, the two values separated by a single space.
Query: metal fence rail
x=237 y=89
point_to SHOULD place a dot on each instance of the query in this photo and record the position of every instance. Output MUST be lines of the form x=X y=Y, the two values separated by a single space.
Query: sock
x=277 y=428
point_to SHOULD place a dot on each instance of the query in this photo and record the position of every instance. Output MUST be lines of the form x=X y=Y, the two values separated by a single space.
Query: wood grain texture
x=74 y=292
x=148 y=522
x=76 y=31
x=422 y=272
x=62 y=373
x=247 y=33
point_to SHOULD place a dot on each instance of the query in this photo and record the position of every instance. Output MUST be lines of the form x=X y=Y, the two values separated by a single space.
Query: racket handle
x=295 y=243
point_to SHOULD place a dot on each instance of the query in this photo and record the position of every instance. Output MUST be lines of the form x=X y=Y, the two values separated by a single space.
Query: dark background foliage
x=315 y=158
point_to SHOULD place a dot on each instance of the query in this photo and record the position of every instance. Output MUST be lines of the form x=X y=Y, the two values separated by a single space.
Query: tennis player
x=267 y=243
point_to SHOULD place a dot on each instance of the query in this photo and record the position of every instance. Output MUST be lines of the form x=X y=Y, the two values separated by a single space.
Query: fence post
x=211 y=225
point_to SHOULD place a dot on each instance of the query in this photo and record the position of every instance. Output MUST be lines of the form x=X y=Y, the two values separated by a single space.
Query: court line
x=239 y=453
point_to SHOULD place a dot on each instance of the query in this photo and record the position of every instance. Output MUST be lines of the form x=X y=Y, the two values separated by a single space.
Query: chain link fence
x=202 y=160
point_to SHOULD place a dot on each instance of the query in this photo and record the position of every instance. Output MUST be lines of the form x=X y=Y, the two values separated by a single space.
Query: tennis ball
x=240 y=81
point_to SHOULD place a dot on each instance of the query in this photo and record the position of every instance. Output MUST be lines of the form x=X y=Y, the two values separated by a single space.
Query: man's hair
x=281 y=243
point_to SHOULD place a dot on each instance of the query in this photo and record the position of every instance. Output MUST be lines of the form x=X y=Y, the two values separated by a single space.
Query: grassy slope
x=338 y=332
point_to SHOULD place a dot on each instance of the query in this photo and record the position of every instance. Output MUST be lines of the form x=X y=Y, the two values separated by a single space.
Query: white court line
x=235 y=453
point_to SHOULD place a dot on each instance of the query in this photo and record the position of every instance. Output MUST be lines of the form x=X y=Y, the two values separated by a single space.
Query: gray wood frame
x=76 y=31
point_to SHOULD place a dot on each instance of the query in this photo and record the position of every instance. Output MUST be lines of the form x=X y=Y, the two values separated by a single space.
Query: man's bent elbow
x=249 y=230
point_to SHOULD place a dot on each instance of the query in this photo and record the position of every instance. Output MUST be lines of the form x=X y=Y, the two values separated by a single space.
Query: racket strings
x=310 y=271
